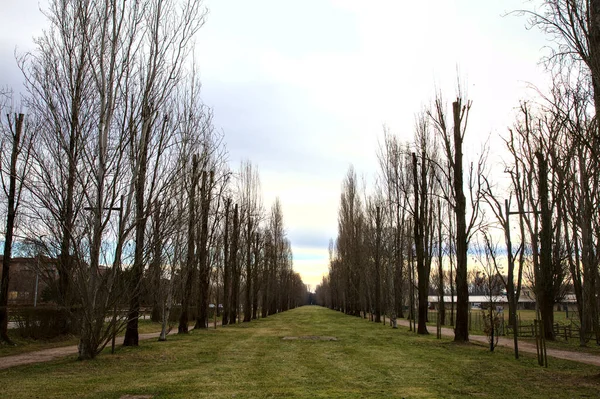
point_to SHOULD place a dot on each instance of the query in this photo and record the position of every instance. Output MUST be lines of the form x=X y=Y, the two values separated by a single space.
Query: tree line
x=534 y=222
x=119 y=180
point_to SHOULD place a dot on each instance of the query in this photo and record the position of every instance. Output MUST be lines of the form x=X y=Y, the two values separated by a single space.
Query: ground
x=253 y=360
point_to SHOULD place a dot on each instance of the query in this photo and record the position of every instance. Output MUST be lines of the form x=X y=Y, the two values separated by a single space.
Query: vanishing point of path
x=47 y=355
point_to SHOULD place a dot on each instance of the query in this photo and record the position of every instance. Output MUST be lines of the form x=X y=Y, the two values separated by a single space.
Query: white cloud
x=303 y=88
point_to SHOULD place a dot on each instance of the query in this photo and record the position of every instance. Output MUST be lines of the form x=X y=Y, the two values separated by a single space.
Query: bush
x=40 y=322
x=495 y=327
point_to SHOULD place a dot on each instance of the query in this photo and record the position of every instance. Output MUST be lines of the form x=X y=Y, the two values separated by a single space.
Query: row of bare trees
x=388 y=241
x=435 y=206
x=426 y=209
x=122 y=181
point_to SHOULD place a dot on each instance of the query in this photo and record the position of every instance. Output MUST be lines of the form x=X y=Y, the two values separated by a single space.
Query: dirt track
x=526 y=347
x=46 y=355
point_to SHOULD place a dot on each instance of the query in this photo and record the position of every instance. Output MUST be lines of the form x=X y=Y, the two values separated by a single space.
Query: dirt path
x=526 y=347
x=46 y=355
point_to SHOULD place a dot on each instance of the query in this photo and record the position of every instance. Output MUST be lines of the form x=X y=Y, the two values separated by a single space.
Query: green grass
x=527 y=316
x=252 y=361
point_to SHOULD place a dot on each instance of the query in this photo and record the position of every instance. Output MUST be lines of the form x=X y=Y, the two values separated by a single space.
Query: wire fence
x=567 y=327
x=477 y=322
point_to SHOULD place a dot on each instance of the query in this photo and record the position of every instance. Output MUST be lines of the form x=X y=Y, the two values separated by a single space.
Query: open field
x=252 y=360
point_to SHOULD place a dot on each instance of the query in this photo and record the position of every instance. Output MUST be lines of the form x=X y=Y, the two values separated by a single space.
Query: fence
x=566 y=329
x=476 y=320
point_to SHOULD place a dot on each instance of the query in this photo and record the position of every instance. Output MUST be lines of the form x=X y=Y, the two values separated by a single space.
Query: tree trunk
x=419 y=229
x=441 y=303
x=202 y=315
x=189 y=275
x=248 y=297
x=156 y=268
x=461 y=331
x=544 y=278
x=399 y=267
x=265 y=281
x=131 y=333
x=10 y=226
x=255 y=274
x=378 y=266
x=167 y=310
x=594 y=55
x=226 y=268
x=235 y=283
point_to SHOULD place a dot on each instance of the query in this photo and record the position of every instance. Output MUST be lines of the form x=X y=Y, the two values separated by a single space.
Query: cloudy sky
x=302 y=88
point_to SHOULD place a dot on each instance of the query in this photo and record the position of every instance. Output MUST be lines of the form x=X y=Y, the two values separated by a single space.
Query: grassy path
x=252 y=361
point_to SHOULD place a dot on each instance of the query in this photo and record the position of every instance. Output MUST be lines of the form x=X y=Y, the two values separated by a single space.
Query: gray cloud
x=309 y=238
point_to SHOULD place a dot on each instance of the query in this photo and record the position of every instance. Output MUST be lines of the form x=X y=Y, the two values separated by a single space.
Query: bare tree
x=453 y=152
x=252 y=214
x=190 y=257
x=391 y=156
x=18 y=139
x=487 y=254
x=538 y=133
x=203 y=251
x=60 y=97
x=168 y=35
x=226 y=266
x=513 y=288
x=574 y=25
x=235 y=267
x=349 y=244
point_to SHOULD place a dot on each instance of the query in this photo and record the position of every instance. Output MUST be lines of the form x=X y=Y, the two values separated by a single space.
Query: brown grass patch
x=310 y=338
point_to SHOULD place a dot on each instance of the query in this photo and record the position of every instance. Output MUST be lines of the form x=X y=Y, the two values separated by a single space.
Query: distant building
x=481 y=301
x=29 y=276
x=526 y=301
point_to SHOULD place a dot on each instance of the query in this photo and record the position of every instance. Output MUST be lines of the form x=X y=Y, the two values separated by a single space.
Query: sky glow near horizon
x=303 y=88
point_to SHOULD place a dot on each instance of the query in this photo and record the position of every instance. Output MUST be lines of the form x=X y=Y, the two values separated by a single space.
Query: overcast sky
x=302 y=88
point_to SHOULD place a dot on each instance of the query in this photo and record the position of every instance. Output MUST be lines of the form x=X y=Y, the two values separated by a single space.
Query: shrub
x=40 y=322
